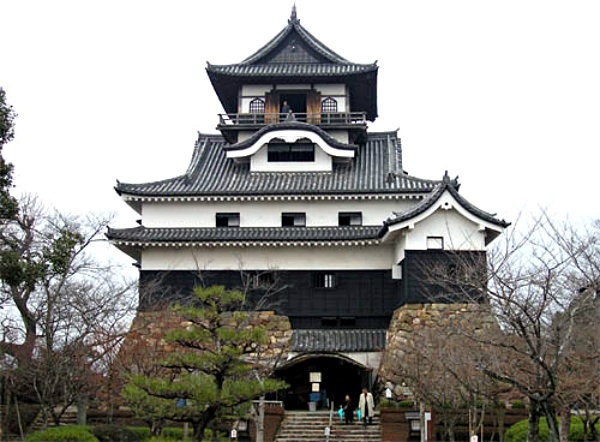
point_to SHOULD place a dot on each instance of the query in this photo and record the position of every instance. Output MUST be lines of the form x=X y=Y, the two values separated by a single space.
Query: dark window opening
x=288 y=152
x=228 y=219
x=296 y=101
x=325 y=280
x=329 y=105
x=328 y=321
x=347 y=322
x=257 y=280
x=293 y=219
x=350 y=218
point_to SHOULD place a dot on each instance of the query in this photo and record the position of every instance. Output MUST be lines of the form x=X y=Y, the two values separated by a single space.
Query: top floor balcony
x=354 y=122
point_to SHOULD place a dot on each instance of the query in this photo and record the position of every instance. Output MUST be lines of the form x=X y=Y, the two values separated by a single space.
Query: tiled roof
x=445 y=185
x=295 y=55
x=292 y=70
x=375 y=170
x=143 y=234
x=290 y=125
x=338 y=340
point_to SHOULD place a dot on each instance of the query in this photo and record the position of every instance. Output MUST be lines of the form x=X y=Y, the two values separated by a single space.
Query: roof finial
x=294 y=17
x=446 y=178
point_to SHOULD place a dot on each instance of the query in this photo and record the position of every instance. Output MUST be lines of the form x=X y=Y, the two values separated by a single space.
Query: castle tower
x=298 y=204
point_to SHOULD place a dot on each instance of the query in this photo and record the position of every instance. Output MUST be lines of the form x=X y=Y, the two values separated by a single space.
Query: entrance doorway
x=297 y=102
x=339 y=376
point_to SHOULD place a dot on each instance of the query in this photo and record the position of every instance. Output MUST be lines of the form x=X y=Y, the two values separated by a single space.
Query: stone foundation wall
x=148 y=329
x=411 y=317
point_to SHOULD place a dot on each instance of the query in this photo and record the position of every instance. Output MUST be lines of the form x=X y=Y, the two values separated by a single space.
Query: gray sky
x=506 y=95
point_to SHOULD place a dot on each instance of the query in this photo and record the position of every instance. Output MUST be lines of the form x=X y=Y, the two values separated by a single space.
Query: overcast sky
x=504 y=94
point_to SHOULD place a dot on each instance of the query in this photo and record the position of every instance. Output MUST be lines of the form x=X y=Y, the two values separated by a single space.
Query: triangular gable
x=444 y=197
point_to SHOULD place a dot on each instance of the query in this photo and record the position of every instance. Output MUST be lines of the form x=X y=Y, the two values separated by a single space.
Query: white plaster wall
x=340 y=135
x=338 y=91
x=458 y=232
x=331 y=89
x=256 y=90
x=289 y=87
x=268 y=258
x=322 y=163
x=266 y=213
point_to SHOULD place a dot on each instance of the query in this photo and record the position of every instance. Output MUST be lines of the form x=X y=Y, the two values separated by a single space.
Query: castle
x=312 y=215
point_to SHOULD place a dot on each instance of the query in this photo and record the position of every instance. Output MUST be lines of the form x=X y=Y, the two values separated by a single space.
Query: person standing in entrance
x=348 y=410
x=286 y=112
x=366 y=406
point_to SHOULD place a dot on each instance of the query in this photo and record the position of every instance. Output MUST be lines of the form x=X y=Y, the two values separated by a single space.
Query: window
x=347 y=321
x=435 y=243
x=329 y=105
x=257 y=280
x=350 y=218
x=257 y=106
x=293 y=219
x=325 y=280
x=298 y=151
x=228 y=219
x=328 y=321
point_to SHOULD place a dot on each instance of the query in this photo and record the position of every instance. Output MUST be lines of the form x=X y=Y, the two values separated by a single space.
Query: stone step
x=309 y=426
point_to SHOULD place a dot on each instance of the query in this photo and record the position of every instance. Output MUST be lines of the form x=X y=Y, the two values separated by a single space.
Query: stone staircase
x=309 y=426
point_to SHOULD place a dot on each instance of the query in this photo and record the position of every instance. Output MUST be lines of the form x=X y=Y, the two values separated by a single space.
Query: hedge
x=67 y=433
x=518 y=431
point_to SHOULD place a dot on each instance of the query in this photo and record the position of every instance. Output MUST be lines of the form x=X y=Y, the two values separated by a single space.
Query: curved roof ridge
x=446 y=184
x=269 y=46
x=290 y=125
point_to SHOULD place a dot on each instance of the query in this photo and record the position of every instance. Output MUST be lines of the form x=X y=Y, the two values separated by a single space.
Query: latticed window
x=257 y=106
x=329 y=105
x=279 y=151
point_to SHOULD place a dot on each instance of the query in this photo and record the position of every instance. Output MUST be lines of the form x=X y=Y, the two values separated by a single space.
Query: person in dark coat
x=348 y=410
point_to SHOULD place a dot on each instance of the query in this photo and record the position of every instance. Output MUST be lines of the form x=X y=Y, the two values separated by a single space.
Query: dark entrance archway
x=339 y=376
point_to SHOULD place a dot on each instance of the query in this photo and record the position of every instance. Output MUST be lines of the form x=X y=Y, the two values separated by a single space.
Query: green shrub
x=68 y=433
x=173 y=433
x=517 y=404
x=406 y=404
x=518 y=431
x=142 y=433
x=114 y=433
x=170 y=434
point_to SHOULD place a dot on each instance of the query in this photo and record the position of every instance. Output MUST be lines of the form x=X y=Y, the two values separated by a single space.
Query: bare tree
x=60 y=308
x=532 y=289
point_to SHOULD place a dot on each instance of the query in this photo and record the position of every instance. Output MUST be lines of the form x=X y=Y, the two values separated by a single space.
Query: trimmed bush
x=68 y=433
x=142 y=433
x=170 y=434
x=114 y=433
x=517 y=404
x=518 y=431
x=406 y=404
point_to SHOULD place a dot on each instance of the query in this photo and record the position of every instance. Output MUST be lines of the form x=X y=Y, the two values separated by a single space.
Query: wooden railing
x=322 y=119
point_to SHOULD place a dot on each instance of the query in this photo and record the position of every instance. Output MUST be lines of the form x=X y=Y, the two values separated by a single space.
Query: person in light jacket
x=366 y=406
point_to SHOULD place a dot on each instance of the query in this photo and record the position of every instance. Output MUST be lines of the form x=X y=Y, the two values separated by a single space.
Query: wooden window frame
x=227 y=219
x=325 y=280
x=261 y=107
x=350 y=219
x=329 y=105
x=293 y=219
x=279 y=151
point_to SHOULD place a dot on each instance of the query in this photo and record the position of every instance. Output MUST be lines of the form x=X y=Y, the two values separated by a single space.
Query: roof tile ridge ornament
x=446 y=181
x=294 y=17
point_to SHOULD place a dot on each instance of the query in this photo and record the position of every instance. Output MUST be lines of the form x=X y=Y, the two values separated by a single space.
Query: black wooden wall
x=358 y=299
